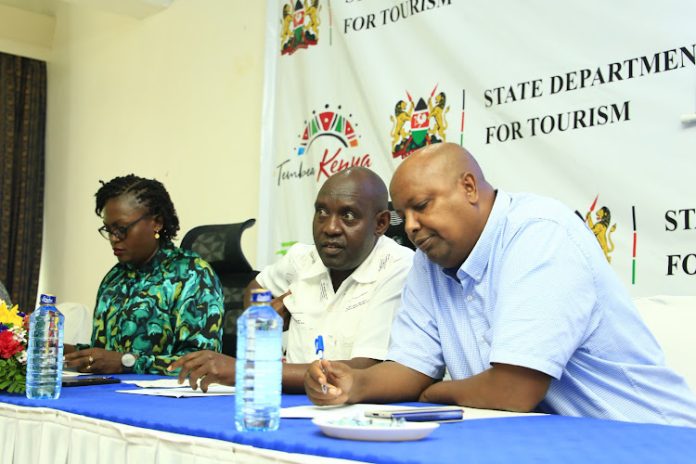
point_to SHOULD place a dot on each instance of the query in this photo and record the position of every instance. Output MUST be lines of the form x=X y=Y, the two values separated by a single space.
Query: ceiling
x=44 y=7
x=134 y=8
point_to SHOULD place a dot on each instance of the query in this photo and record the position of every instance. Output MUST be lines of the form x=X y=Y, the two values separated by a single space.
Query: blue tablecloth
x=517 y=439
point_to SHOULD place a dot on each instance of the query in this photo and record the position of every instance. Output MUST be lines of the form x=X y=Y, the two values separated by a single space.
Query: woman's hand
x=205 y=367
x=94 y=361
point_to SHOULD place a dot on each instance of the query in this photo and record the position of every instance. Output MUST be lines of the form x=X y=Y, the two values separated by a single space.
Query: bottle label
x=47 y=299
x=261 y=296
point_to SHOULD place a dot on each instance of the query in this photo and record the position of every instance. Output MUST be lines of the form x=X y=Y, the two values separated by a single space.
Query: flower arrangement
x=13 y=349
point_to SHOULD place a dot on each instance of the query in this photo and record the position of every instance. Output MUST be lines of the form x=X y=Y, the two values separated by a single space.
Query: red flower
x=8 y=345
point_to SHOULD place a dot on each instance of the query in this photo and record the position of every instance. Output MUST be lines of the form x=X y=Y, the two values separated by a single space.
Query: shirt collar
x=315 y=268
x=475 y=265
x=368 y=269
x=365 y=273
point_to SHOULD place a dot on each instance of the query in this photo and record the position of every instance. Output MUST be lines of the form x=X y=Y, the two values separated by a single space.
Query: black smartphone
x=81 y=381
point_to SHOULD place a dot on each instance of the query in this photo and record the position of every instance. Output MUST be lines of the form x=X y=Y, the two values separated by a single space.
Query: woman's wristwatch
x=128 y=361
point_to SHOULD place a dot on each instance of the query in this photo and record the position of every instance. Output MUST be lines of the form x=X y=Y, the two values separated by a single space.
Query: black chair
x=220 y=245
x=396 y=230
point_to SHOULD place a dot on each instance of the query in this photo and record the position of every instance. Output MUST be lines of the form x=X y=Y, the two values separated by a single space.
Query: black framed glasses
x=120 y=232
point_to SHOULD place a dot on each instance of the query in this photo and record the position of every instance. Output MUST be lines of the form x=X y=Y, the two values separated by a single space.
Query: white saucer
x=375 y=432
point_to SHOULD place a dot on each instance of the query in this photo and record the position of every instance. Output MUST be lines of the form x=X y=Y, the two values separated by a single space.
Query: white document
x=159 y=383
x=68 y=373
x=352 y=410
x=170 y=383
x=182 y=392
x=344 y=410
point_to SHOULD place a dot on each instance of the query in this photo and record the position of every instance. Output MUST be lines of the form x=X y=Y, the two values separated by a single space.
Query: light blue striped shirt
x=536 y=291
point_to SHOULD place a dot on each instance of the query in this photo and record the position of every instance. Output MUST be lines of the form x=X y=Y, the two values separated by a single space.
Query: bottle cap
x=46 y=298
x=261 y=295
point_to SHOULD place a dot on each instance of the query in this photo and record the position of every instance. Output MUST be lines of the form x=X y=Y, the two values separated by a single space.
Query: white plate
x=374 y=432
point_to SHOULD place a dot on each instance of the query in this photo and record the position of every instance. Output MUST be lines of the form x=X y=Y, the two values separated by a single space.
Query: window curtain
x=22 y=156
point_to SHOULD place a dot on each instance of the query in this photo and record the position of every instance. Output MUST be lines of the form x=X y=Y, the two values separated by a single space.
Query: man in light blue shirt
x=513 y=295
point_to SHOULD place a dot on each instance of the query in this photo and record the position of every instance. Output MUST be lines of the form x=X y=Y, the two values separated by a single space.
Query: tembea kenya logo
x=328 y=144
x=328 y=123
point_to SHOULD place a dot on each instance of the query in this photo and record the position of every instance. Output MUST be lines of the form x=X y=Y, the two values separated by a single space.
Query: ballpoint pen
x=319 y=350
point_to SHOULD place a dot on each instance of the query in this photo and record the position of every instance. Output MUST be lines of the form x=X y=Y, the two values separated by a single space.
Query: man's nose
x=411 y=225
x=332 y=226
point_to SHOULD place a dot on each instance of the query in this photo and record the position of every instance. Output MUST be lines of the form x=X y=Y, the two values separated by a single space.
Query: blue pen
x=319 y=350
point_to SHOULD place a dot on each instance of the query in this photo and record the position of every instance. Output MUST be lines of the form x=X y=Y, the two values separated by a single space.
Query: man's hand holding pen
x=319 y=351
x=328 y=382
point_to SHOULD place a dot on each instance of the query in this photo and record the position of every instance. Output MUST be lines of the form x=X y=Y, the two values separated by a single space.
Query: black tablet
x=81 y=381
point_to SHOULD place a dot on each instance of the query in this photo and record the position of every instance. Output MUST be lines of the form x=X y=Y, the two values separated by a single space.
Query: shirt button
x=469 y=298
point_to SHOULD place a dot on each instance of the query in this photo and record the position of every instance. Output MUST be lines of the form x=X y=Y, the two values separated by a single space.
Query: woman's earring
x=157 y=235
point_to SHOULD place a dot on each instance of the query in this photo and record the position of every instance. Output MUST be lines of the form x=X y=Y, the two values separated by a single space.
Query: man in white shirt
x=346 y=287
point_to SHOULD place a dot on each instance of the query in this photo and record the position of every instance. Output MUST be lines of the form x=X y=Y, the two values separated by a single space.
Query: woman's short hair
x=150 y=193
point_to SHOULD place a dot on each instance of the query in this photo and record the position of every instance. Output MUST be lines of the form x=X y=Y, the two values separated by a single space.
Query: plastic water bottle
x=259 y=368
x=45 y=350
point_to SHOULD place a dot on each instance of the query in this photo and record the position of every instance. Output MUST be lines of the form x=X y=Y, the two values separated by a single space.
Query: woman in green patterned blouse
x=159 y=302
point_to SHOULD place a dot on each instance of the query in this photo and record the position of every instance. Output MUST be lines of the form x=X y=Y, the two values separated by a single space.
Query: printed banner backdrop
x=592 y=103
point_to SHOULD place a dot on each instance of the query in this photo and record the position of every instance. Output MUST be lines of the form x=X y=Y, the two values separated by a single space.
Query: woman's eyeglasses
x=120 y=232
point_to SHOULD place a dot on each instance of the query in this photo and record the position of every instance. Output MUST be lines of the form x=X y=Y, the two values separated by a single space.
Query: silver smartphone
x=420 y=414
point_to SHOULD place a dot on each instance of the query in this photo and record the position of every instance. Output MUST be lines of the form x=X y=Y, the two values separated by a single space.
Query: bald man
x=512 y=294
x=346 y=287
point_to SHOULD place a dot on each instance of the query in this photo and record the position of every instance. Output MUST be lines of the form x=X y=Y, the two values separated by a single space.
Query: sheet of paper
x=312 y=411
x=182 y=392
x=159 y=383
x=67 y=373
x=473 y=413
x=167 y=383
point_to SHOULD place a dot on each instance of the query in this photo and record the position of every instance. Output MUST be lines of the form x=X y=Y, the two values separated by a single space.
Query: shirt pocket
x=346 y=324
x=301 y=342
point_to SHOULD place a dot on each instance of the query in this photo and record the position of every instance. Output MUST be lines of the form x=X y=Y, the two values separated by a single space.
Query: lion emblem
x=402 y=115
x=602 y=230
x=437 y=113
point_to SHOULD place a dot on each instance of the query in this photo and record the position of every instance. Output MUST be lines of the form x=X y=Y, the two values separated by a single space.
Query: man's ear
x=469 y=184
x=382 y=222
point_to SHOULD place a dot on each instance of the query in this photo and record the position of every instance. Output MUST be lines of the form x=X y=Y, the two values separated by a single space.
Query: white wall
x=176 y=96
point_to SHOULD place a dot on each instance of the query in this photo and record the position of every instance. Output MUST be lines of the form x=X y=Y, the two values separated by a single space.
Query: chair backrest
x=396 y=230
x=77 y=327
x=221 y=246
x=671 y=320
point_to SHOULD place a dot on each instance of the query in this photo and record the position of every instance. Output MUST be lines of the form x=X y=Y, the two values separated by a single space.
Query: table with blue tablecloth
x=541 y=438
